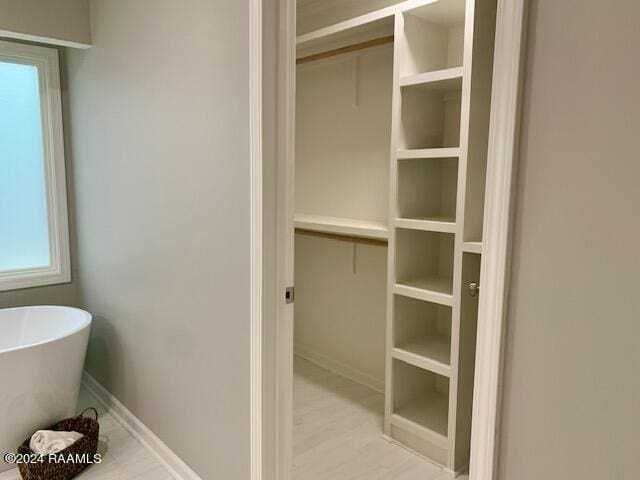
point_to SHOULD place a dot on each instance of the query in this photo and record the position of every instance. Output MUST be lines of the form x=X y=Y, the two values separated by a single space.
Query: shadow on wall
x=64 y=294
x=101 y=351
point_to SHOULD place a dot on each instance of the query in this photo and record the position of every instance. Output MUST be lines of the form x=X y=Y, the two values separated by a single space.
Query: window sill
x=32 y=278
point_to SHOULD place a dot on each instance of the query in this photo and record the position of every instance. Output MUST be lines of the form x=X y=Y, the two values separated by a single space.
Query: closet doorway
x=386 y=153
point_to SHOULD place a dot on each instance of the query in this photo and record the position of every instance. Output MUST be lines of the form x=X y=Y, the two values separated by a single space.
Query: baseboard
x=453 y=474
x=174 y=465
x=339 y=368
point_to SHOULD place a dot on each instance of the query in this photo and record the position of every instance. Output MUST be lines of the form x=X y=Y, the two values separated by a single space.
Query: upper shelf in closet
x=323 y=27
x=341 y=226
x=345 y=34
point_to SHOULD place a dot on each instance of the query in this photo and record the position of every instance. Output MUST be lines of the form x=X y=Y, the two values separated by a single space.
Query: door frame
x=272 y=440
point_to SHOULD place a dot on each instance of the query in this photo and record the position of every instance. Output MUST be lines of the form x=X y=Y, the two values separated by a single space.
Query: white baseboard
x=340 y=368
x=174 y=465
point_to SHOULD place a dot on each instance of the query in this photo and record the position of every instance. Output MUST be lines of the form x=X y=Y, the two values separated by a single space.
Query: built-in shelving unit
x=410 y=82
x=437 y=189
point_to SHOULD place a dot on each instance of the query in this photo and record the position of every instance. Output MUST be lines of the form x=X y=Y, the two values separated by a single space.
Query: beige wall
x=39 y=20
x=160 y=122
x=572 y=386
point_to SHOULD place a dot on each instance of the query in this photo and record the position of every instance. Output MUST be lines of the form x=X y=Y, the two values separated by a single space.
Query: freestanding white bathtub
x=42 y=352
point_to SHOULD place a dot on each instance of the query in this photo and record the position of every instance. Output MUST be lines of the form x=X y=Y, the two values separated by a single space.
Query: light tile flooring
x=337 y=432
x=337 y=436
x=123 y=457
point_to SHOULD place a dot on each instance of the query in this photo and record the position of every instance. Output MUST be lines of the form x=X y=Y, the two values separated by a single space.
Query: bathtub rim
x=87 y=319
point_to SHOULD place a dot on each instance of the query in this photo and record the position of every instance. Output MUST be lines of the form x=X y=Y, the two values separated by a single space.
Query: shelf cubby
x=430 y=116
x=421 y=397
x=433 y=37
x=427 y=189
x=422 y=334
x=424 y=262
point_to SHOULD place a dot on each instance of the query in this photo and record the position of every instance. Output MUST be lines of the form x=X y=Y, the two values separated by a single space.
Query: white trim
x=498 y=221
x=174 y=465
x=39 y=39
x=449 y=472
x=255 y=289
x=339 y=368
x=283 y=189
x=47 y=62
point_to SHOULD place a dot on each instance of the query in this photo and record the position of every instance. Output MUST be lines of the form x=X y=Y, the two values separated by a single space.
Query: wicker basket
x=86 y=447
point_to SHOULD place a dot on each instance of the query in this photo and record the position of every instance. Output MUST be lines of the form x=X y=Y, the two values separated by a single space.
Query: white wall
x=160 y=144
x=572 y=388
x=46 y=20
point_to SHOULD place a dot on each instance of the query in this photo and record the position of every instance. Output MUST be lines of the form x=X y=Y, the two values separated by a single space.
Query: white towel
x=44 y=442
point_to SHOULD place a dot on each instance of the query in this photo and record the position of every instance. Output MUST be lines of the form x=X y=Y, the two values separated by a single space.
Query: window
x=34 y=239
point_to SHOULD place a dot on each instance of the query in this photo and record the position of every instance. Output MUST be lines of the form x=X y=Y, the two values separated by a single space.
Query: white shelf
x=447 y=79
x=341 y=226
x=444 y=225
x=432 y=353
x=472 y=247
x=449 y=152
x=359 y=21
x=330 y=31
x=431 y=289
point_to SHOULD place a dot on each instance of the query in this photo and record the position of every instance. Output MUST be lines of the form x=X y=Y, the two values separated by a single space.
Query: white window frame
x=59 y=271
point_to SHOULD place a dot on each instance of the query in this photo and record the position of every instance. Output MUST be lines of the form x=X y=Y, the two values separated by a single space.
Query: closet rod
x=348 y=49
x=342 y=238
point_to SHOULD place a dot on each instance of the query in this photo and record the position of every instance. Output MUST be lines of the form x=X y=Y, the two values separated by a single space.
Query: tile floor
x=337 y=432
x=123 y=457
x=337 y=425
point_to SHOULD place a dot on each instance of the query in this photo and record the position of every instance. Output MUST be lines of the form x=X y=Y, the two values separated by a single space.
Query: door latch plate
x=289 y=294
